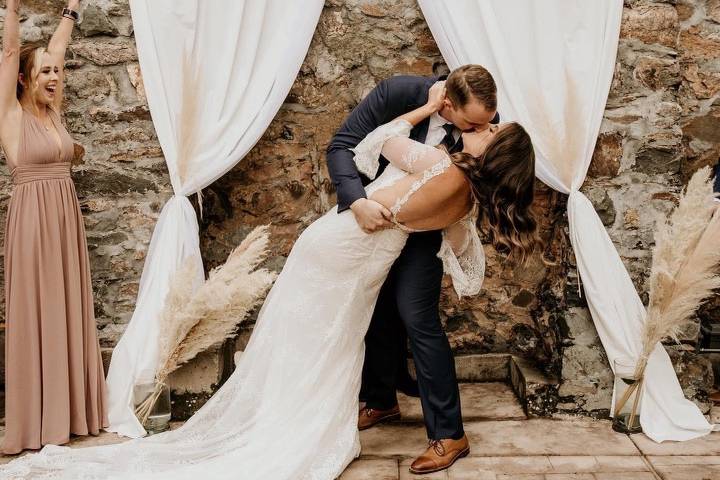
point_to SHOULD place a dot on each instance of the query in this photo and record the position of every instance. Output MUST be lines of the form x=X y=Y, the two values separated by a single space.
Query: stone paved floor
x=507 y=446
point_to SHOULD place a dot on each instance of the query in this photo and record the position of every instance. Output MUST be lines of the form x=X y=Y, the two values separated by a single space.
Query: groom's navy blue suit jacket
x=391 y=98
x=717 y=177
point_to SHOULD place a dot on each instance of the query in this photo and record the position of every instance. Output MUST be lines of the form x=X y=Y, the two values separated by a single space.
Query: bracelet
x=71 y=14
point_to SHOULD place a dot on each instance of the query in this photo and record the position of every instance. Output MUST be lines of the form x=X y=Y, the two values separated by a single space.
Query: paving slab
x=475 y=475
x=520 y=477
x=574 y=464
x=621 y=464
x=394 y=440
x=547 y=437
x=371 y=470
x=609 y=467
x=705 y=445
x=685 y=460
x=569 y=476
x=689 y=472
x=480 y=401
x=503 y=465
x=687 y=467
x=625 y=476
x=507 y=438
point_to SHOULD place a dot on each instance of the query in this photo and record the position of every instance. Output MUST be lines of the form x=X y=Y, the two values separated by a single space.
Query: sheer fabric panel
x=216 y=73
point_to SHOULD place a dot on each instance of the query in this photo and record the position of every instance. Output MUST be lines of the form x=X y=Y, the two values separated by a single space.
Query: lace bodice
x=461 y=251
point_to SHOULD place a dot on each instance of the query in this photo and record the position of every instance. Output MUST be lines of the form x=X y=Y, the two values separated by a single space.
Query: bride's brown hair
x=503 y=182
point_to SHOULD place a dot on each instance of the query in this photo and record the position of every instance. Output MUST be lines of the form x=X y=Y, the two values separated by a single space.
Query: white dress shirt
x=436 y=132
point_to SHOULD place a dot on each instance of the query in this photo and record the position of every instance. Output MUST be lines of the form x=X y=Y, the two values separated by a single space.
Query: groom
x=408 y=303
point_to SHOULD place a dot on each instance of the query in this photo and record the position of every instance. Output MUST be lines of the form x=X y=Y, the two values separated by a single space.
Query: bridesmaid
x=54 y=384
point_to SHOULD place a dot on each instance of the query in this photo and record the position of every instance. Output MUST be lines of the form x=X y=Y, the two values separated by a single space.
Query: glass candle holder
x=628 y=396
x=158 y=418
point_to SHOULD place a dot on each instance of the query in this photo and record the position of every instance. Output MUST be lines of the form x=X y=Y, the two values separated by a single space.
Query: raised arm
x=391 y=140
x=10 y=65
x=57 y=47
x=411 y=156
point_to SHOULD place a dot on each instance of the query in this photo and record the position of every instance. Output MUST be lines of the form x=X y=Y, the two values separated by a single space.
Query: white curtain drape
x=553 y=62
x=216 y=73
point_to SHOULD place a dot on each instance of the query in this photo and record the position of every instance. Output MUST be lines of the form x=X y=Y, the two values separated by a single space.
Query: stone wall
x=660 y=125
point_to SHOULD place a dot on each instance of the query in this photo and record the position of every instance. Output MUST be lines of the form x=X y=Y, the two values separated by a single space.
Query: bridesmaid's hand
x=73 y=5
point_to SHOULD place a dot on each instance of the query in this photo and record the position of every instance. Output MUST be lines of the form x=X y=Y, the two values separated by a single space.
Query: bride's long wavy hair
x=503 y=183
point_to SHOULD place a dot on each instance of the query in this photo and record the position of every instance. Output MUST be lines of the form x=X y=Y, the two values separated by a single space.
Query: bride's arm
x=463 y=256
x=436 y=96
x=391 y=140
x=411 y=156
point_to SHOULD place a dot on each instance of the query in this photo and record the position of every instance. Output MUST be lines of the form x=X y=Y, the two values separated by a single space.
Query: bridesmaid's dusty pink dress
x=54 y=384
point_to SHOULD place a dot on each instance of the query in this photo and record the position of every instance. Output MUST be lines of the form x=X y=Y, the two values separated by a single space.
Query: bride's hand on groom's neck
x=436 y=96
x=436 y=99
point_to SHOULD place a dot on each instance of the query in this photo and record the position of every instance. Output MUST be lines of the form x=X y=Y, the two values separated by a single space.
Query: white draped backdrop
x=553 y=62
x=216 y=73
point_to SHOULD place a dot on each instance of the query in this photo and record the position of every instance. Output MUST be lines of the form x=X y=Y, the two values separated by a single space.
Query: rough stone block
x=488 y=367
x=194 y=383
x=652 y=24
x=537 y=391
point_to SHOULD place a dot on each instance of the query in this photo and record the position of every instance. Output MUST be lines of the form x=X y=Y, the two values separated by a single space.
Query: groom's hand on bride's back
x=370 y=215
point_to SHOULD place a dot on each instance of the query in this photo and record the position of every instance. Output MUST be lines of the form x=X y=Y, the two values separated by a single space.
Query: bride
x=289 y=411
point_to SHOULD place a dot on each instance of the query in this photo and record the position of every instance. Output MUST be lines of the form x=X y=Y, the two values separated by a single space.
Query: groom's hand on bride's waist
x=370 y=215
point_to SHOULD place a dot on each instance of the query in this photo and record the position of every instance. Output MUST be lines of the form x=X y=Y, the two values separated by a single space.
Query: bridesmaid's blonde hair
x=30 y=61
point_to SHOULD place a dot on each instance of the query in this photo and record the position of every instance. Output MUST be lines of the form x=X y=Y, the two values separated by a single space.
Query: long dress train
x=289 y=411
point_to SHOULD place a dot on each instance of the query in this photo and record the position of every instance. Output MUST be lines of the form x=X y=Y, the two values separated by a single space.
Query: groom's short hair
x=472 y=81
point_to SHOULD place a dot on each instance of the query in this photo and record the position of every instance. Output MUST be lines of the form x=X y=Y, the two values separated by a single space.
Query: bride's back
x=438 y=203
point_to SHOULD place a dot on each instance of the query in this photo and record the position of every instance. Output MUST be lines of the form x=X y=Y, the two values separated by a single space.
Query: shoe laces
x=437 y=447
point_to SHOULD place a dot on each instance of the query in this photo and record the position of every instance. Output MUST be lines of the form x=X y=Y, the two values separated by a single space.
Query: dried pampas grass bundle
x=685 y=261
x=684 y=268
x=191 y=323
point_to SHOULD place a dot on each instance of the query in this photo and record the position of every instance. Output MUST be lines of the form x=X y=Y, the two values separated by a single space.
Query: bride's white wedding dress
x=289 y=411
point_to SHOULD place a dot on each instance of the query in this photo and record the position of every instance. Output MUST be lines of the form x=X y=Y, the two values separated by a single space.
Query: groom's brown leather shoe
x=441 y=454
x=369 y=417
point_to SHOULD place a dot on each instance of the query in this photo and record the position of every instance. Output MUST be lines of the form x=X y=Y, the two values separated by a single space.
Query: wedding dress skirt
x=290 y=409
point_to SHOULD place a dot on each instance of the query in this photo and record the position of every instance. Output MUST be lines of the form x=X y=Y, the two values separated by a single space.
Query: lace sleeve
x=367 y=152
x=463 y=257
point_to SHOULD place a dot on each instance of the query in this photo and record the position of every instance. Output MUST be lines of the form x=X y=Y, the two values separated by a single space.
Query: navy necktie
x=449 y=140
